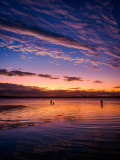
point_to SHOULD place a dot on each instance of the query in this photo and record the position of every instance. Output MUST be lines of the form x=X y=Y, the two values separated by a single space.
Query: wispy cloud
x=94 y=68
x=14 y=37
x=32 y=47
x=93 y=61
x=114 y=62
x=51 y=37
x=92 y=30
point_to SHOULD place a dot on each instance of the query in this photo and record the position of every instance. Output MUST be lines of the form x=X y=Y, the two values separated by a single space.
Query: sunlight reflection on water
x=72 y=128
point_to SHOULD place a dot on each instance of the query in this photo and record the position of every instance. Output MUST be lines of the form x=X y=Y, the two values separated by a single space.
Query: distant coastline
x=60 y=97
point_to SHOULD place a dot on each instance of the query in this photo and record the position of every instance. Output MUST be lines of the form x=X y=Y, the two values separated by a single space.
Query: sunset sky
x=60 y=44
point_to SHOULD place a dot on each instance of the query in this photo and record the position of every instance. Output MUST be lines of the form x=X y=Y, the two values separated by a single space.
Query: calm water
x=70 y=129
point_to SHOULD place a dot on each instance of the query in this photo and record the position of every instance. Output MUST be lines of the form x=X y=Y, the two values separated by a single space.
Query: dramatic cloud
x=98 y=81
x=27 y=47
x=51 y=37
x=67 y=78
x=81 y=39
x=91 y=30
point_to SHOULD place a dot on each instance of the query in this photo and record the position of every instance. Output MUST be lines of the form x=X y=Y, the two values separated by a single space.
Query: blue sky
x=61 y=38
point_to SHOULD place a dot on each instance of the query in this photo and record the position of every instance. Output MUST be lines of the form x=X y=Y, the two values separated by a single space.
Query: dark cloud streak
x=15 y=73
x=47 y=76
x=21 y=73
x=98 y=81
x=69 y=79
x=5 y=72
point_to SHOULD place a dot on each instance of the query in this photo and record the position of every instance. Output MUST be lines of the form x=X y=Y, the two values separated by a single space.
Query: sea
x=69 y=129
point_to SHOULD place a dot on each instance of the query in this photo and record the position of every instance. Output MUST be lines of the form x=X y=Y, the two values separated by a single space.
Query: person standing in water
x=50 y=102
x=101 y=103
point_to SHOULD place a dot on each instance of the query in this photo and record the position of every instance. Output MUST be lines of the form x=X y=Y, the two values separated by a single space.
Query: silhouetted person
x=101 y=103
x=51 y=102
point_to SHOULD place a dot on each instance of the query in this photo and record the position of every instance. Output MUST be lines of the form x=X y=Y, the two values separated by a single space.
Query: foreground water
x=32 y=129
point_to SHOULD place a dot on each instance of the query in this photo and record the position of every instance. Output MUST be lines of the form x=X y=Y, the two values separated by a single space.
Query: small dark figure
x=51 y=102
x=101 y=103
